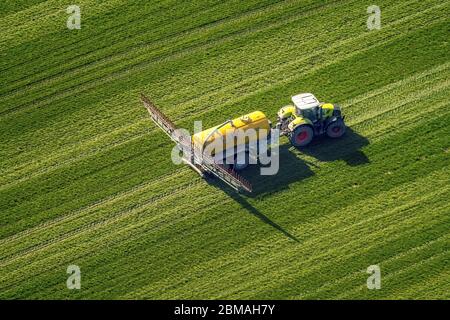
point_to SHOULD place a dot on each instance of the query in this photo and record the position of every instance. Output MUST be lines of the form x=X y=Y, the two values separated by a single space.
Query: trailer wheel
x=336 y=129
x=241 y=166
x=301 y=136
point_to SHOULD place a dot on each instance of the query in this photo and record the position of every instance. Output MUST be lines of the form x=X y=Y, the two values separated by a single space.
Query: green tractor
x=308 y=118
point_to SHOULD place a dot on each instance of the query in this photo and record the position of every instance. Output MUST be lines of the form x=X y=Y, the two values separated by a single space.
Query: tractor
x=307 y=118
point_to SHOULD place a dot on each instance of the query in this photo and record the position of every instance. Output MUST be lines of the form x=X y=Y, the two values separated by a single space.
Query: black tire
x=336 y=129
x=301 y=136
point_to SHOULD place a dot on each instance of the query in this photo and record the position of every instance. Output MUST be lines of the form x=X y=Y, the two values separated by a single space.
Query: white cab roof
x=305 y=101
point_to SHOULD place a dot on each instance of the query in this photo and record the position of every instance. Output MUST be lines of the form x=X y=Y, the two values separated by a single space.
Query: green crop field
x=86 y=177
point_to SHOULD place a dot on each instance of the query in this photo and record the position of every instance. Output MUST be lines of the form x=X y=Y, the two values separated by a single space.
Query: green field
x=86 y=178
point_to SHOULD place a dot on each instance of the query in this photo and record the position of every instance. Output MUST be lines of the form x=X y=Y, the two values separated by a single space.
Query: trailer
x=192 y=154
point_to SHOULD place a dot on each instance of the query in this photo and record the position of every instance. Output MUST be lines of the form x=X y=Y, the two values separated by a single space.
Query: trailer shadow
x=258 y=214
x=291 y=169
x=243 y=202
x=346 y=148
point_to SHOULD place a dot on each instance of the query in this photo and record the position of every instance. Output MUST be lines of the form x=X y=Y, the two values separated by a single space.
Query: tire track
x=166 y=42
x=353 y=276
x=395 y=274
x=331 y=235
x=382 y=129
x=178 y=118
x=74 y=214
x=102 y=239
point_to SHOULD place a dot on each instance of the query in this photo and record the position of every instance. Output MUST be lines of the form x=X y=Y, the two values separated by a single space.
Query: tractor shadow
x=347 y=148
x=293 y=169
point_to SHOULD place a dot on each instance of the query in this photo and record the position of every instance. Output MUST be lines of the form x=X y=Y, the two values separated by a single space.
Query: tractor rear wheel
x=301 y=136
x=336 y=129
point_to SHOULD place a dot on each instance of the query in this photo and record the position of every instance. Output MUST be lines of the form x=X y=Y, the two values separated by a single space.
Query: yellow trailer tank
x=255 y=120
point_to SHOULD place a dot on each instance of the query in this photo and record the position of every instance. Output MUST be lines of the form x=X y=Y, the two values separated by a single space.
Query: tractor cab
x=307 y=106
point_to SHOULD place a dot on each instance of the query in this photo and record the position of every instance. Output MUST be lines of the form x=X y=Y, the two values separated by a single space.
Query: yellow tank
x=255 y=120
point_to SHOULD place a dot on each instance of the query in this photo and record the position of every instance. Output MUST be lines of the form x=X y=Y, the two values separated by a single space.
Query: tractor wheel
x=336 y=129
x=241 y=166
x=301 y=136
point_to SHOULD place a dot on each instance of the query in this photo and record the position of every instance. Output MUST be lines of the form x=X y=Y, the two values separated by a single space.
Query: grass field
x=87 y=179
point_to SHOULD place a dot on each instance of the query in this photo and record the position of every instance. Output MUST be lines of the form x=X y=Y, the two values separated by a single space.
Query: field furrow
x=87 y=179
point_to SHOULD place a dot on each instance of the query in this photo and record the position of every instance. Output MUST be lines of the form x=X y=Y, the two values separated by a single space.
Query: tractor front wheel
x=336 y=129
x=301 y=136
